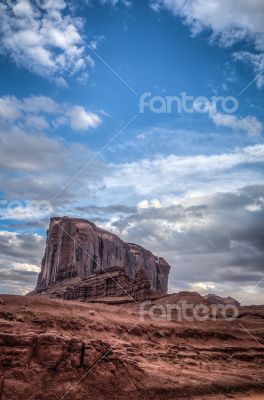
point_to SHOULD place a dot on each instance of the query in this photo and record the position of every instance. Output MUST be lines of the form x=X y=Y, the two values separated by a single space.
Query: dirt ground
x=47 y=346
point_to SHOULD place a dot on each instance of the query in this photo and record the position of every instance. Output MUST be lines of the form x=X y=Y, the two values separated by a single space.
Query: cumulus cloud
x=81 y=120
x=36 y=113
x=35 y=37
x=230 y=22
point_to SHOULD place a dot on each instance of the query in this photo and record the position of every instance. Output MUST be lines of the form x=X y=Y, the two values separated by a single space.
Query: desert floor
x=48 y=345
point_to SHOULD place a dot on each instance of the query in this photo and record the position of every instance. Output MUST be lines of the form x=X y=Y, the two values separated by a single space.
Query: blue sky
x=187 y=185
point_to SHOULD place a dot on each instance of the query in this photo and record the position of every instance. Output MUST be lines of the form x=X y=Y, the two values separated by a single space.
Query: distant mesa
x=197 y=299
x=84 y=262
x=213 y=299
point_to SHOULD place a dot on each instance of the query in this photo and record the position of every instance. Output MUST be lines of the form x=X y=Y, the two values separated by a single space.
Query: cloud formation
x=38 y=113
x=81 y=120
x=200 y=173
x=35 y=164
x=35 y=37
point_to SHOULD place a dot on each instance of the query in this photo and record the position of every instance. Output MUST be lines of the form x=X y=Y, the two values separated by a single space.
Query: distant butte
x=84 y=262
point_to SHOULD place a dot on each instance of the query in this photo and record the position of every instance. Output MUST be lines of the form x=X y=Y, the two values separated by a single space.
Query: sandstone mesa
x=84 y=262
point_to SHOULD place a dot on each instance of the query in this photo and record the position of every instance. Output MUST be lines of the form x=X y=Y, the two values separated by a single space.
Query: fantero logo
x=184 y=103
x=184 y=311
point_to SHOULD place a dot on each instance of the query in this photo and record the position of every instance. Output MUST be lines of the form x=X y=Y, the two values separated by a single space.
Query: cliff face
x=78 y=248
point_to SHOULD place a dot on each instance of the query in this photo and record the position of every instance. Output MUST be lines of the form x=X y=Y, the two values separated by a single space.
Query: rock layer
x=77 y=248
x=113 y=283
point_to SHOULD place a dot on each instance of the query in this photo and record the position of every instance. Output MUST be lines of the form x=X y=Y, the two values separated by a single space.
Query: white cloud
x=26 y=267
x=39 y=104
x=144 y=204
x=33 y=113
x=249 y=124
x=82 y=120
x=202 y=287
x=229 y=22
x=9 y=109
x=26 y=210
x=36 y=122
x=37 y=39
x=164 y=175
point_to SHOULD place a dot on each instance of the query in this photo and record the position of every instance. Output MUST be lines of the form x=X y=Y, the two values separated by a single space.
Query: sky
x=145 y=117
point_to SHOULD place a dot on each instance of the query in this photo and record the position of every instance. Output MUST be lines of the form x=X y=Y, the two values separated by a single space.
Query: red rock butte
x=85 y=262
